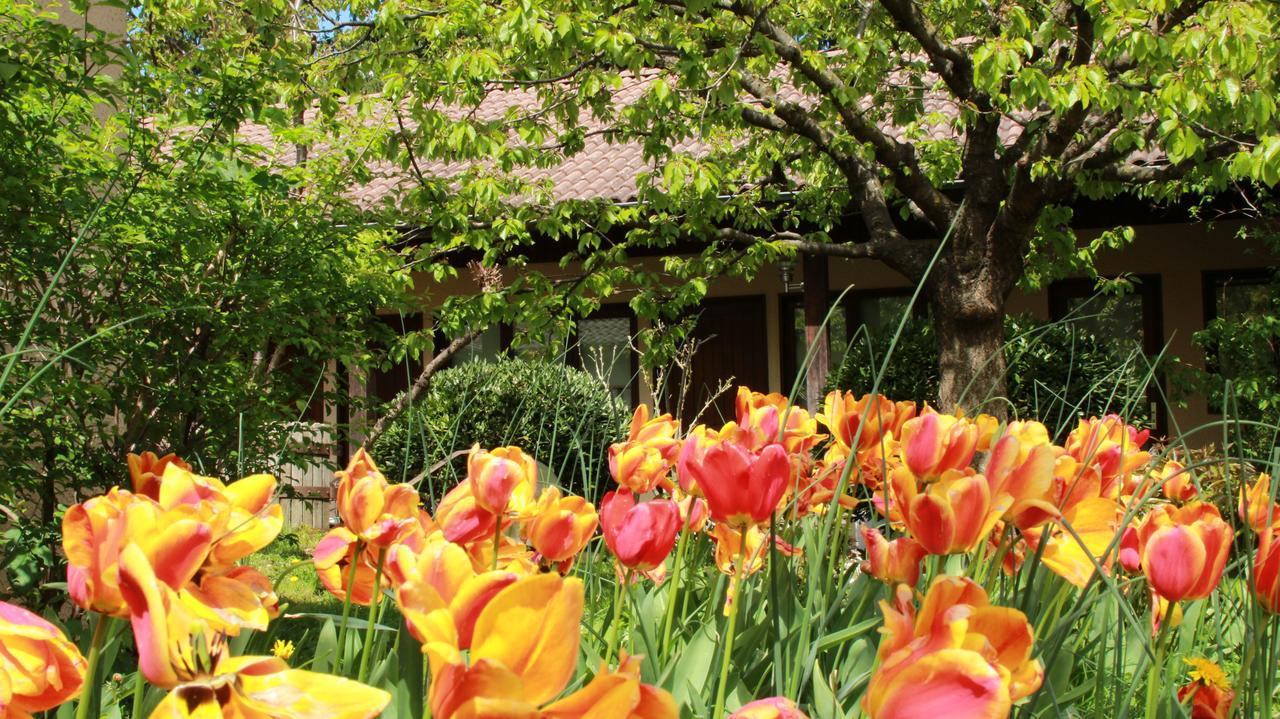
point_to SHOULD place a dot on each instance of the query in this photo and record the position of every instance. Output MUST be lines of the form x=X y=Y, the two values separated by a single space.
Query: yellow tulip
x=39 y=667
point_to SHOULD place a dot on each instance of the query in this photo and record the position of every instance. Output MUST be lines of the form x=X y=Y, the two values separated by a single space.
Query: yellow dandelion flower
x=282 y=649
x=1207 y=672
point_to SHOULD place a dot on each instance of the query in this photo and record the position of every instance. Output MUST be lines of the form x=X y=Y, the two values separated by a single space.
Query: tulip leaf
x=326 y=648
x=694 y=666
x=824 y=698
x=408 y=688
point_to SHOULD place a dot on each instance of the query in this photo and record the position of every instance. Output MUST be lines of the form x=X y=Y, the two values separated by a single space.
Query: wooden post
x=816 y=290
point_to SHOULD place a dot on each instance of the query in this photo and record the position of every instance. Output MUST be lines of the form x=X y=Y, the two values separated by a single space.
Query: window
x=876 y=310
x=602 y=348
x=385 y=384
x=1238 y=296
x=1131 y=321
x=484 y=348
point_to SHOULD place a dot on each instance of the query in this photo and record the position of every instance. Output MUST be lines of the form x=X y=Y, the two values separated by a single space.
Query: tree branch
x=404 y=401
x=952 y=65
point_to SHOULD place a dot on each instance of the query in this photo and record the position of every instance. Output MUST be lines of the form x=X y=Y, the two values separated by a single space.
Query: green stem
x=735 y=586
x=365 y=651
x=612 y=633
x=346 y=611
x=91 y=670
x=673 y=593
x=1157 y=668
x=497 y=541
x=139 y=683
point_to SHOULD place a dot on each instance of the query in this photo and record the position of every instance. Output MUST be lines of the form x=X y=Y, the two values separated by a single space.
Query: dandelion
x=283 y=649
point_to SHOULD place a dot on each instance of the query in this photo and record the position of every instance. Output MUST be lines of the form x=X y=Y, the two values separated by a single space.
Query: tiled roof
x=603 y=168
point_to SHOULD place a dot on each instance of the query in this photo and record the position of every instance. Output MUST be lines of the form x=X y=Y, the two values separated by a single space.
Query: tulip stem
x=374 y=605
x=91 y=670
x=1157 y=668
x=341 y=649
x=674 y=592
x=497 y=541
x=138 y=691
x=735 y=599
x=612 y=632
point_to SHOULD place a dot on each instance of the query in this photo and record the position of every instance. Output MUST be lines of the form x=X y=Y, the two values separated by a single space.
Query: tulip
x=1075 y=555
x=644 y=460
x=933 y=444
x=640 y=535
x=524 y=649
x=1209 y=692
x=693 y=511
x=1266 y=572
x=1114 y=447
x=440 y=582
x=862 y=423
x=959 y=656
x=950 y=515
x=561 y=527
x=177 y=650
x=461 y=517
x=39 y=667
x=94 y=533
x=371 y=508
x=896 y=562
x=739 y=561
x=761 y=416
x=333 y=558
x=146 y=469
x=1182 y=551
x=771 y=708
x=1256 y=506
x=741 y=486
x=1175 y=482
x=1023 y=473
x=502 y=479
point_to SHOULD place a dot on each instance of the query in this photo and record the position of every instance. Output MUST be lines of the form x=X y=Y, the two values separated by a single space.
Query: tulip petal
x=532 y=627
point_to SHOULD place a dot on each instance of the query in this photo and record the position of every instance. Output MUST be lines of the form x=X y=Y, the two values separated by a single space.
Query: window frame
x=1210 y=281
x=609 y=311
x=789 y=302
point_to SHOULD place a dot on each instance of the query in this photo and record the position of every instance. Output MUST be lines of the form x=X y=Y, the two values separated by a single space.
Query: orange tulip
x=933 y=443
x=178 y=650
x=561 y=527
x=1182 y=551
x=461 y=517
x=371 y=508
x=39 y=667
x=862 y=423
x=896 y=562
x=1257 y=509
x=440 y=584
x=503 y=479
x=96 y=532
x=959 y=656
x=146 y=469
x=645 y=459
x=742 y=552
x=1175 y=482
x=770 y=418
x=1266 y=571
x=524 y=649
x=693 y=511
x=1114 y=447
x=1023 y=473
x=642 y=534
x=771 y=708
x=742 y=486
x=333 y=557
x=1209 y=692
x=950 y=515
x=1075 y=555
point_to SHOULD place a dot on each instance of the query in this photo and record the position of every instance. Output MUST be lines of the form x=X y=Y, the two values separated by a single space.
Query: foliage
x=562 y=415
x=166 y=284
x=857 y=130
x=1242 y=380
x=1056 y=370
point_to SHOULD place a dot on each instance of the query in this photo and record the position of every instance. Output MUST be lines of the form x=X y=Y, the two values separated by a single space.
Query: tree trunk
x=971 y=362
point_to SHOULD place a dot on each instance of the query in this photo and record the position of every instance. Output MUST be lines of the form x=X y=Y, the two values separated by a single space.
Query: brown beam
x=816 y=292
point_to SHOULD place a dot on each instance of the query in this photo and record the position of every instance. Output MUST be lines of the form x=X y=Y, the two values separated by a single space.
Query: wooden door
x=734 y=348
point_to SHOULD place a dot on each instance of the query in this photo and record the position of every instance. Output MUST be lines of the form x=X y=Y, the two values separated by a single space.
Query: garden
x=355 y=361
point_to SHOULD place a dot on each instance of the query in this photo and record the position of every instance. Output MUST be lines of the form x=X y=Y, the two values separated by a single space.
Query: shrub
x=1057 y=370
x=562 y=416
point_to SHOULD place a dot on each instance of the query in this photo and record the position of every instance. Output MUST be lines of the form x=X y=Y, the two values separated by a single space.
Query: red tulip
x=896 y=562
x=639 y=535
x=1181 y=550
x=741 y=486
x=1266 y=572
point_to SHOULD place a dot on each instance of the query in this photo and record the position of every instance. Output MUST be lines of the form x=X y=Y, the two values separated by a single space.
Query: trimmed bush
x=1056 y=371
x=562 y=416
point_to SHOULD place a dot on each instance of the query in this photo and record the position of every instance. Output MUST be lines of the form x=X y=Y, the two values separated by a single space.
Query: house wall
x=1178 y=253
